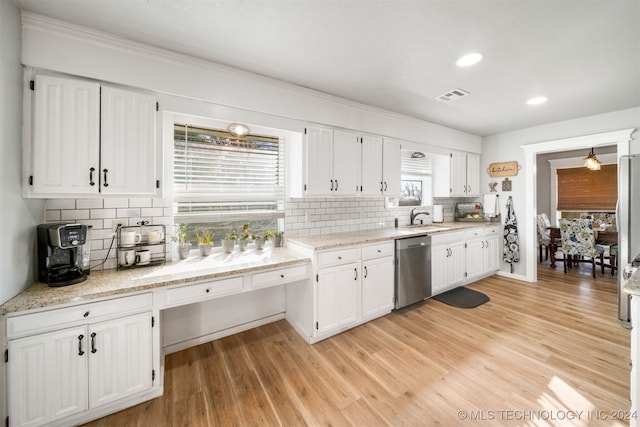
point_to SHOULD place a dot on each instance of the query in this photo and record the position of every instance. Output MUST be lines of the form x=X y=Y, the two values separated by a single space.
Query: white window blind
x=218 y=177
x=415 y=166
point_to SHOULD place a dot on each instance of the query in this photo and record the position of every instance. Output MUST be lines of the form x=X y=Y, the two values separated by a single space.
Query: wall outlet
x=115 y=225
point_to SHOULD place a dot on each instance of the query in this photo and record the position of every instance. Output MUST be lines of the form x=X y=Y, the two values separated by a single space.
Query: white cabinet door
x=337 y=297
x=65 y=148
x=319 y=161
x=377 y=286
x=119 y=358
x=458 y=177
x=128 y=142
x=346 y=163
x=475 y=257
x=372 y=166
x=456 y=268
x=473 y=175
x=439 y=266
x=492 y=254
x=391 y=168
x=47 y=376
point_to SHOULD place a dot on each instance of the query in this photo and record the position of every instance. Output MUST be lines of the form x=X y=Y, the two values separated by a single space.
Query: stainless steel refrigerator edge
x=628 y=221
x=413 y=270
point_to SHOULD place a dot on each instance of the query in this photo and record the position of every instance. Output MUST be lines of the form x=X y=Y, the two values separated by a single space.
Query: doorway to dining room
x=618 y=139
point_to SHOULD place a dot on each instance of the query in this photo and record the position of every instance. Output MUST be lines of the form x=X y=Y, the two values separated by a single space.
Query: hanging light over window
x=591 y=161
x=238 y=129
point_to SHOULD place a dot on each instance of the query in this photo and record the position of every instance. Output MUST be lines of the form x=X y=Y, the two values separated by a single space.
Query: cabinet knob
x=86 y=314
x=282 y=275
x=208 y=290
x=339 y=257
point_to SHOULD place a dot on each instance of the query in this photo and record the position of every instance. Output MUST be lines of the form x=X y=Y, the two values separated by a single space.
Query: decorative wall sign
x=503 y=169
x=506 y=184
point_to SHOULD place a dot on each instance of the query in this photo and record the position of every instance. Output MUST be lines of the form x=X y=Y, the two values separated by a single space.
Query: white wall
x=18 y=217
x=507 y=147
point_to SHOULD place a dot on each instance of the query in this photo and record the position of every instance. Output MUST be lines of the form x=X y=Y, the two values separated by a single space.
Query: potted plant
x=276 y=236
x=229 y=242
x=244 y=233
x=260 y=240
x=205 y=242
x=180 y=237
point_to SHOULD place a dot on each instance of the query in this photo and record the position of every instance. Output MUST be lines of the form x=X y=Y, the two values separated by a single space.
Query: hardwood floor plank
x=534 y=350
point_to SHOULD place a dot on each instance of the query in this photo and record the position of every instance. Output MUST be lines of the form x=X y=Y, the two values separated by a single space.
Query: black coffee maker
x=60 y=253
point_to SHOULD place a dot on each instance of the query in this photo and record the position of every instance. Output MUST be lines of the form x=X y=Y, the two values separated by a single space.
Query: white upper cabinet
x=338 y=162
x=391 y=168
x=90 y=140
x=456 y=175
x=66 y=140
x=371 y=166
x=128 y=155
x=346 y=163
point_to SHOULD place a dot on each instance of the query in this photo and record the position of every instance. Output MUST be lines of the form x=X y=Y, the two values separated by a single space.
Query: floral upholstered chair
x=578 y=243
x=544 y=237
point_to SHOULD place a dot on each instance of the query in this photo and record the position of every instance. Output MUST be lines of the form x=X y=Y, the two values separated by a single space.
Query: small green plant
x=273 y=233
x=180 y=233
x=244 y=231
x=231 y=236
x=205 y=236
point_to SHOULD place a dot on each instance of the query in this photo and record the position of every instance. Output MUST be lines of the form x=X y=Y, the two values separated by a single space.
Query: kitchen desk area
x=105 y=338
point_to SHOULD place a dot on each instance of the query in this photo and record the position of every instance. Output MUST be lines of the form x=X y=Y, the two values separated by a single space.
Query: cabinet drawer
x=493 y=231
x=445 y=238
x=49 y=320
x=474 y=232
x=339 y=256
x=378 y=250
x=202 y=291
x=279 y=276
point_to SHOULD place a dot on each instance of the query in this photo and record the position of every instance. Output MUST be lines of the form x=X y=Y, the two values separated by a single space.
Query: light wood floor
x=532 y=353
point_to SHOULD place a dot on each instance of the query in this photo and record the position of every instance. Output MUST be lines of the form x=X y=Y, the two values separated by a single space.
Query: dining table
x=603 y=237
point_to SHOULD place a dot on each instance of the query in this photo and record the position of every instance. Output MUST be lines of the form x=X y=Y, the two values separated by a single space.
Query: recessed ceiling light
x=537 y=100
x=469 y=59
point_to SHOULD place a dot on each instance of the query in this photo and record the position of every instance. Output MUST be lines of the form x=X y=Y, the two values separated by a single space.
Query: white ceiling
x=399 y=54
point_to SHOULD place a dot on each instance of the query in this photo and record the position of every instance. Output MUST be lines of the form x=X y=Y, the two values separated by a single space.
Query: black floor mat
x=462 y=298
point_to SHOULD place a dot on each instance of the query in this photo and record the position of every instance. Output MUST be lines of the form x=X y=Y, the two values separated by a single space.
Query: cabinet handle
x=385 y=186
x=331 y=185
x=381 y=186
x=482 y=245
x=86 y=314
x=336 y=185
x=366 y=273
x=105 y=170
x=91 y=171
x=356 y=270
x=80 y=338
x=93 y=343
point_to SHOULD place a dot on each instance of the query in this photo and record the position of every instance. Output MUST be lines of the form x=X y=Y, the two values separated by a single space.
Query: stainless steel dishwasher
x=413 y=270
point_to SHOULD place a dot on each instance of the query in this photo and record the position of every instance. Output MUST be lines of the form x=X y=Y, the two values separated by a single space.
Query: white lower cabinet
x=378 y=282
x=482 y=252
x=337 y=300
x=447 y=261
x=350 y=286
x=65 y=371
x=635 y=373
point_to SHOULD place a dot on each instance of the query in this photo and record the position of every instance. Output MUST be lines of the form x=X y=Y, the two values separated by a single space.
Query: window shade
x=583 y=189
x=219 y=176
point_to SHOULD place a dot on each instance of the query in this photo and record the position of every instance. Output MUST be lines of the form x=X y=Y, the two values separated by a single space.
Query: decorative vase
x=277 y=241
x=183 y=250
x=205 y=248
x=243 y=244
x=228 y=245
x=259 y=242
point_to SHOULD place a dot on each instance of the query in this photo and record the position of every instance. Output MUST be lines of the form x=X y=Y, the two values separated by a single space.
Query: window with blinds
x=581 y=189
x=416 y=179
x=218 y=177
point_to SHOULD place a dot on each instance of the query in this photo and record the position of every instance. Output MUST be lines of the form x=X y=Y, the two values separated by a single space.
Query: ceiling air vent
x=453 y=95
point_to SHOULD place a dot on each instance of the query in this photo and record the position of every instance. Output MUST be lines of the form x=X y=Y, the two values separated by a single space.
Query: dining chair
x=544 y=237
x=579 y=243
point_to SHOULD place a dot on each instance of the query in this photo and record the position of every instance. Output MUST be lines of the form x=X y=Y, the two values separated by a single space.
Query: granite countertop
x=113 y=282
x=349 y=238
x=632 y=287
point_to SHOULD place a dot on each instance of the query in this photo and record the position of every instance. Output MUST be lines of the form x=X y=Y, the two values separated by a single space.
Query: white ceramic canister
x=438 y=213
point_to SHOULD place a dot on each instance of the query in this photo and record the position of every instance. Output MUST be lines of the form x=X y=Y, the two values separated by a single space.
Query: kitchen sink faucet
x=415 y=214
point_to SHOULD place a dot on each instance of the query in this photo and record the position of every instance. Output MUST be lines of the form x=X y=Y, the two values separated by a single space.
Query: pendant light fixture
x=238 y=130
x=591 y=161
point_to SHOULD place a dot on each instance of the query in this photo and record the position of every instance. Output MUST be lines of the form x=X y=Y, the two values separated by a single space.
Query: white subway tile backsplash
x=60 y=204
x=52 y=216
x=74 y=214
x=140 y=203
x=103 y=213
x=151 y=211
x=89 y=203
x=127 y=213
x=116 y=203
